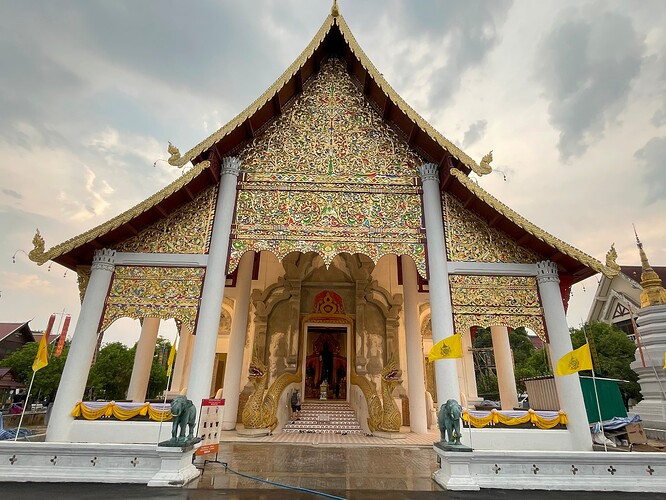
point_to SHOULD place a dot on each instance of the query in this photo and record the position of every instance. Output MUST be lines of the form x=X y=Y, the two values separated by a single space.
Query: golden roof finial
x=611 y=260
x=653 y=293
x=335 y=12
x=484 y=166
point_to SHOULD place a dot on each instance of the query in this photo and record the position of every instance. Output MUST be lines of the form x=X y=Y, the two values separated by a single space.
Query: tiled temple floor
x=324 y=467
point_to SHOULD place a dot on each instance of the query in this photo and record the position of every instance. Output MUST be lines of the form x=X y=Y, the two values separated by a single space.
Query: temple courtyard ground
x=354 y=471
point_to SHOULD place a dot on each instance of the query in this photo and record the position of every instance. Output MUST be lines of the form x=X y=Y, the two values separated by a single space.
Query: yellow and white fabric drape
x=94 y=410
x=540 y=419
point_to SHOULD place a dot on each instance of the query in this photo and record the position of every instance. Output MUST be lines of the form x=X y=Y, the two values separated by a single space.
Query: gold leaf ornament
x=175 y=155
x=484 y=166
x=37 y=253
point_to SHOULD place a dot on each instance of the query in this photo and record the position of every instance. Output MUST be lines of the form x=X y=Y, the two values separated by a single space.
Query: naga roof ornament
x=611 y=258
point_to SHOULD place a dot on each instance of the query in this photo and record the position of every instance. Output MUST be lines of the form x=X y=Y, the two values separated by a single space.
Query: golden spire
x=653 y=293
x=335 y=12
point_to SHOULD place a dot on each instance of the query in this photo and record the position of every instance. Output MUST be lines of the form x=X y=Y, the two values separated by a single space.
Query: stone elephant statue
x=448 y=420
x=184 y=414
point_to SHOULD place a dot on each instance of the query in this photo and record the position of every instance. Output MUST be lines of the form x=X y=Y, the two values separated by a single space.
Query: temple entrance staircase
x=325 y=418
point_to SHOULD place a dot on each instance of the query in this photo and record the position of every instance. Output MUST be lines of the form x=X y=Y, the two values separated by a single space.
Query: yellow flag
x=172 y=354
x=575 y=361
x=42 y=357
x=450 y=347
x=665 y=361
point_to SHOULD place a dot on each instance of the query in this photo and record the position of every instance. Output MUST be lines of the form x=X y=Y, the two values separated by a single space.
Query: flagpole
x=159 y=432
x=596 y=395
x=25 y=403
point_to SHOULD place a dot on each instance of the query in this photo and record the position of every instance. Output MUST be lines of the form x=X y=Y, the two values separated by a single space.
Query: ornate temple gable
x=158 y=292
x=329 y=176
x=185 y=230
x=470 y=238
x=569 y=259
x=511 y=301
x=333 y=38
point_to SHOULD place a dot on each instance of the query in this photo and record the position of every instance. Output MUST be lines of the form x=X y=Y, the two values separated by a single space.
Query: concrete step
x=656 y=434
x=324 y=418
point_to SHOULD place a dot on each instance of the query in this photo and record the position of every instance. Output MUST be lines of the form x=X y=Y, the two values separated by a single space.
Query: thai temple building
x=324 y=240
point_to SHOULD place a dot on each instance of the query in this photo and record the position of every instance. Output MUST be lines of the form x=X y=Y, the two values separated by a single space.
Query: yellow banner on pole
x=450 y=347
x=575 y=361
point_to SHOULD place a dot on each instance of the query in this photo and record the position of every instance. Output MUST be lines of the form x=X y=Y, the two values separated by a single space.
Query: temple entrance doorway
x=326 y=377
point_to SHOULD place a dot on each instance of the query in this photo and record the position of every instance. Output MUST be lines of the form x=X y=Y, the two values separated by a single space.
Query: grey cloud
x=472 y=29
x=586 y=67
x=653 y=159
x=659 y=117
x=475 y=132
x=469 y=30
x=12 y=193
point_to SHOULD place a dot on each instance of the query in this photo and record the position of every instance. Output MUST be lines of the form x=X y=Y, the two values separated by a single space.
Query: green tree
x=110 y=375
x=612 y=353
x=47 y=379
x=158 y=371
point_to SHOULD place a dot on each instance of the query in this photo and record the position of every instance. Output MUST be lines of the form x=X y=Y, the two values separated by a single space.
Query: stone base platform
x=96 y=463
x=552 y=470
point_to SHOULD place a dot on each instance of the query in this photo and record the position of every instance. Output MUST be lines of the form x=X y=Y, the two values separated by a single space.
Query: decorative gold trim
x=154 y=292
x=119 y=220
x=611 y=257
x=179 y=161
x=531 y=228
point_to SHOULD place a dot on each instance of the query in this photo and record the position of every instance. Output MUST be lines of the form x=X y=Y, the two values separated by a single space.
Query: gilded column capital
x=547 y=272
x=104 y=260
x=429 y=172
x=230 y=165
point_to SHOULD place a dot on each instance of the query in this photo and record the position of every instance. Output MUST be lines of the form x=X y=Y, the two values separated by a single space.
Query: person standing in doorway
x=295 y=405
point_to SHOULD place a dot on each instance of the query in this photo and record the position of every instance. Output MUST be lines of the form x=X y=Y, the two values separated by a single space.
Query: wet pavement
x=359 y=473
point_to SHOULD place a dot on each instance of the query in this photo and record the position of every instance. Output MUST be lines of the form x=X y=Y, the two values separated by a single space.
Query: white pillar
x=181 y=366
x=472 y=396
x=416 y=389
x=232 y=373
x=143 y=360
x=441 y=313
x=506 y=380
x=205 y=343
x=84 y=341
x=568 y=386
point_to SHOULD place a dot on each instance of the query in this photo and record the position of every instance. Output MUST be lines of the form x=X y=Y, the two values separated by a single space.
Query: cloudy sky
x=570 y=96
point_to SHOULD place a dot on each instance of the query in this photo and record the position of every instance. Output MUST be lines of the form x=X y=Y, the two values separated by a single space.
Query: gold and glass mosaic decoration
x=329 y=176
x=470 y=238
x=186 y=230
x=154 y=292
x=511 y=301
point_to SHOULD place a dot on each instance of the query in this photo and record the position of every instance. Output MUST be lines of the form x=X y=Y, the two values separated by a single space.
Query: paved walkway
x=407 y=439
